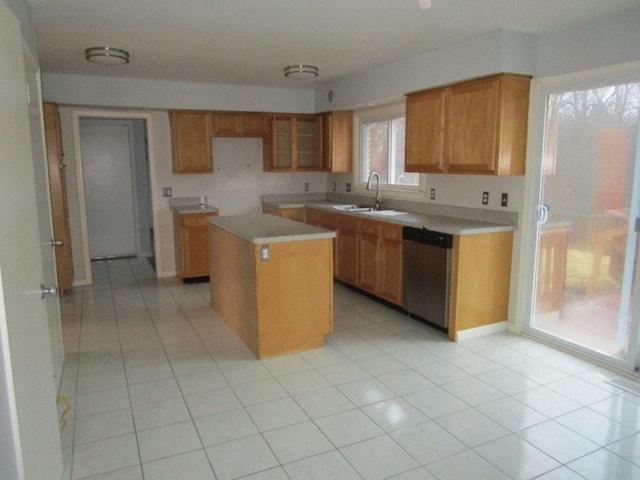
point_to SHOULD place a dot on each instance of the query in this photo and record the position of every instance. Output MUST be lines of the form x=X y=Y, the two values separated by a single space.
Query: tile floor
x=161 y=389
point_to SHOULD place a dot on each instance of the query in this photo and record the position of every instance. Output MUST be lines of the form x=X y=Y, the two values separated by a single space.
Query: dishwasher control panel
x=429 y=237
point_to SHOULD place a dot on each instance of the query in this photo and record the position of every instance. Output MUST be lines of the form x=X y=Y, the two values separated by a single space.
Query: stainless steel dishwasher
x=426 y=267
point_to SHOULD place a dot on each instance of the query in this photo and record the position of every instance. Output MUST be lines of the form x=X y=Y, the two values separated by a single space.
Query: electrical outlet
x=167 y=192
x=334 y=186
x=306 y=186
x=348 y=187
x=432 y=194
x=485 y=198
x=504 y=201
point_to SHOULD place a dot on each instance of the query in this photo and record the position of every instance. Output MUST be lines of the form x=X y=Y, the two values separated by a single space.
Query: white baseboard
x=481 y=331
x=166 y=274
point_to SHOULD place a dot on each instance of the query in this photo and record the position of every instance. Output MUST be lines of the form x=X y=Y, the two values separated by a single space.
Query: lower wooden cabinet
x=293 y=213
x=191 y=244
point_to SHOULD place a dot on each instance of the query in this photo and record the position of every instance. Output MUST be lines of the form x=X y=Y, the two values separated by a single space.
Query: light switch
x=264 y=253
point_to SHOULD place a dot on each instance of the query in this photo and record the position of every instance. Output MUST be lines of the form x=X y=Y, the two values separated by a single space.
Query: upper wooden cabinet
x=337 y=141
x=295 y=144
x=191 y=141
x=241 y=124
x=477 y=126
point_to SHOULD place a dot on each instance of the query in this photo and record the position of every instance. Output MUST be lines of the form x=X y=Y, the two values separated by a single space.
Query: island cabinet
x=191 y=244
x=241 y=124
x=347 y=248
x=272 y=281
x=295 y=144
x=337 y=141
x=191 y=141
x=478 y=126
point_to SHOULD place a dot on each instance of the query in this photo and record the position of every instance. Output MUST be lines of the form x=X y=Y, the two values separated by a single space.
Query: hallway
x=161 y=389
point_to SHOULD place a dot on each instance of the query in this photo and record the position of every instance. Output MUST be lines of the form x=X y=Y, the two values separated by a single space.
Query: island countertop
x=261 y=228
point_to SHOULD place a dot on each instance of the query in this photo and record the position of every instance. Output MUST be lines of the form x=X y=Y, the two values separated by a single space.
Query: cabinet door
x=391 y=263
x=472 y=112
x=424 y=145
x=191 y=141
x=256 y=125
x=296 y=214
x=282 y=143
x=195 y=246
x=368 y=258
x=307 y=141
x=347 y=263
x=337 y=141
x=226 y=124
x=58 y=194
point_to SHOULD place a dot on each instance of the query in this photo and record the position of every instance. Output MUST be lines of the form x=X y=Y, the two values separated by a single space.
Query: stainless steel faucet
x=378 y=195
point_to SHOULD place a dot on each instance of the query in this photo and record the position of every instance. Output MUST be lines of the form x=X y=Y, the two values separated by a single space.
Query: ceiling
x=249 y=42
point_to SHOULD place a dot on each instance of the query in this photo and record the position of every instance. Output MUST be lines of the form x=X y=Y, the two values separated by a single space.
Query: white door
x=106 y=166
x=27 y=392
x=588 y=189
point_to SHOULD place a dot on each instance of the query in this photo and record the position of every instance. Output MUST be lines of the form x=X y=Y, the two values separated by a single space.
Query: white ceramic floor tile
x=436 y=402
x=547 y=401
x=348 y=427
x=557 y=441
x=201 y=381
x=417 y=474
x=160 y=413
x=405 y=381
x=192 y=364
x=473 y=391
x=103 y=425
x=92 y=382
x=621 y=410
x=342 y=373
x=538 y=372
x=378 y=458
x=507 y=381
x=322 y=357
x=472 y=427
x=246 y=372
x=414 y=356
x=428 y=442
x=214 y=401
x=517 y=458
x=366 y=392
x=260 y=391
x=594 y=426
x=465 y=466
x=380 y=364
x=394 y=414
x=303 y=382
x=224 y=427
x=328 y=466
x=474 y=364
x=605 y=465
x=276 y=414
x=323 y=402
x=441 y=372
x=187 y=466
x=578 y=390
x=628 y=448
x=272 y=474
x=562 y=473
x=511 y=413
x=297 y=442
x=149 y=372
x=102 y=401
x=167 y=441
x=129 y=473
x=104 y=456
x=286 y=364
x=145 y=393
x=241 y=457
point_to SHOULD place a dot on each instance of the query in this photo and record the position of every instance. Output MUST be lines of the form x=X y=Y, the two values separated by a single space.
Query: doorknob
x=55 y=243
x=44 y=291
x=543 y=213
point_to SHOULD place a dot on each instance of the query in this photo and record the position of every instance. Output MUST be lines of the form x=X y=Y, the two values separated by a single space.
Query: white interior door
x=106 y=165
x=27 y=392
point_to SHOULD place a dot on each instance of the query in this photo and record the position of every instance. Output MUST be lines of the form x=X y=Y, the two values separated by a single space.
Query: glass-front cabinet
x=295 y=144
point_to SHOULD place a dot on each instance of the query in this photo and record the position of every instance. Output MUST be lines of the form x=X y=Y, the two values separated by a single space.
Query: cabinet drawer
x=392 y=232
x=194 y=220
x=369 y=228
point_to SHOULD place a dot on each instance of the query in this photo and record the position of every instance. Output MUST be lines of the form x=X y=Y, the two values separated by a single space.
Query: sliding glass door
x=585 y=288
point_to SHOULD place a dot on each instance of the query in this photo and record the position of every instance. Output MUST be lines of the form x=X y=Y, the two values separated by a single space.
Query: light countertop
x=450 y=225
x=263 y=228
x=184 y=209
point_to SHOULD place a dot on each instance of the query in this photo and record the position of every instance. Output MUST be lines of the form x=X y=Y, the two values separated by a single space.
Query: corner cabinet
x=478 y=126
x=191 y=141
x=337 y=141
x=294 y=145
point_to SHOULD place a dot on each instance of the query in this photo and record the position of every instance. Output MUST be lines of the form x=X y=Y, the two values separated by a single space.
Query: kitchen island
x=271 y=280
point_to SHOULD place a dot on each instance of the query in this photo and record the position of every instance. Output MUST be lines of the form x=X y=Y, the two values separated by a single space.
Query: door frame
x=76 y=115
x=540 y=89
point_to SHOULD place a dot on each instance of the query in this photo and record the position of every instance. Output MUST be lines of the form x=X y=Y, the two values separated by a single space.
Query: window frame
x=377 y=114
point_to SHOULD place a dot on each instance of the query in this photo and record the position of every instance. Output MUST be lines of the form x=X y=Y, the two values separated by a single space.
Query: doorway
x=114 y=162
x=587 y=195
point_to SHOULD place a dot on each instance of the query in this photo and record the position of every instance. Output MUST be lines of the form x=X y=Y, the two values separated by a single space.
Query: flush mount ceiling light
x=424 y=4
x=301 y=72
x=106 y=55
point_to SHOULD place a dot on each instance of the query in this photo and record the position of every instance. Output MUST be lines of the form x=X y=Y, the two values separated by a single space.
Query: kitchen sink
x=384 y=213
